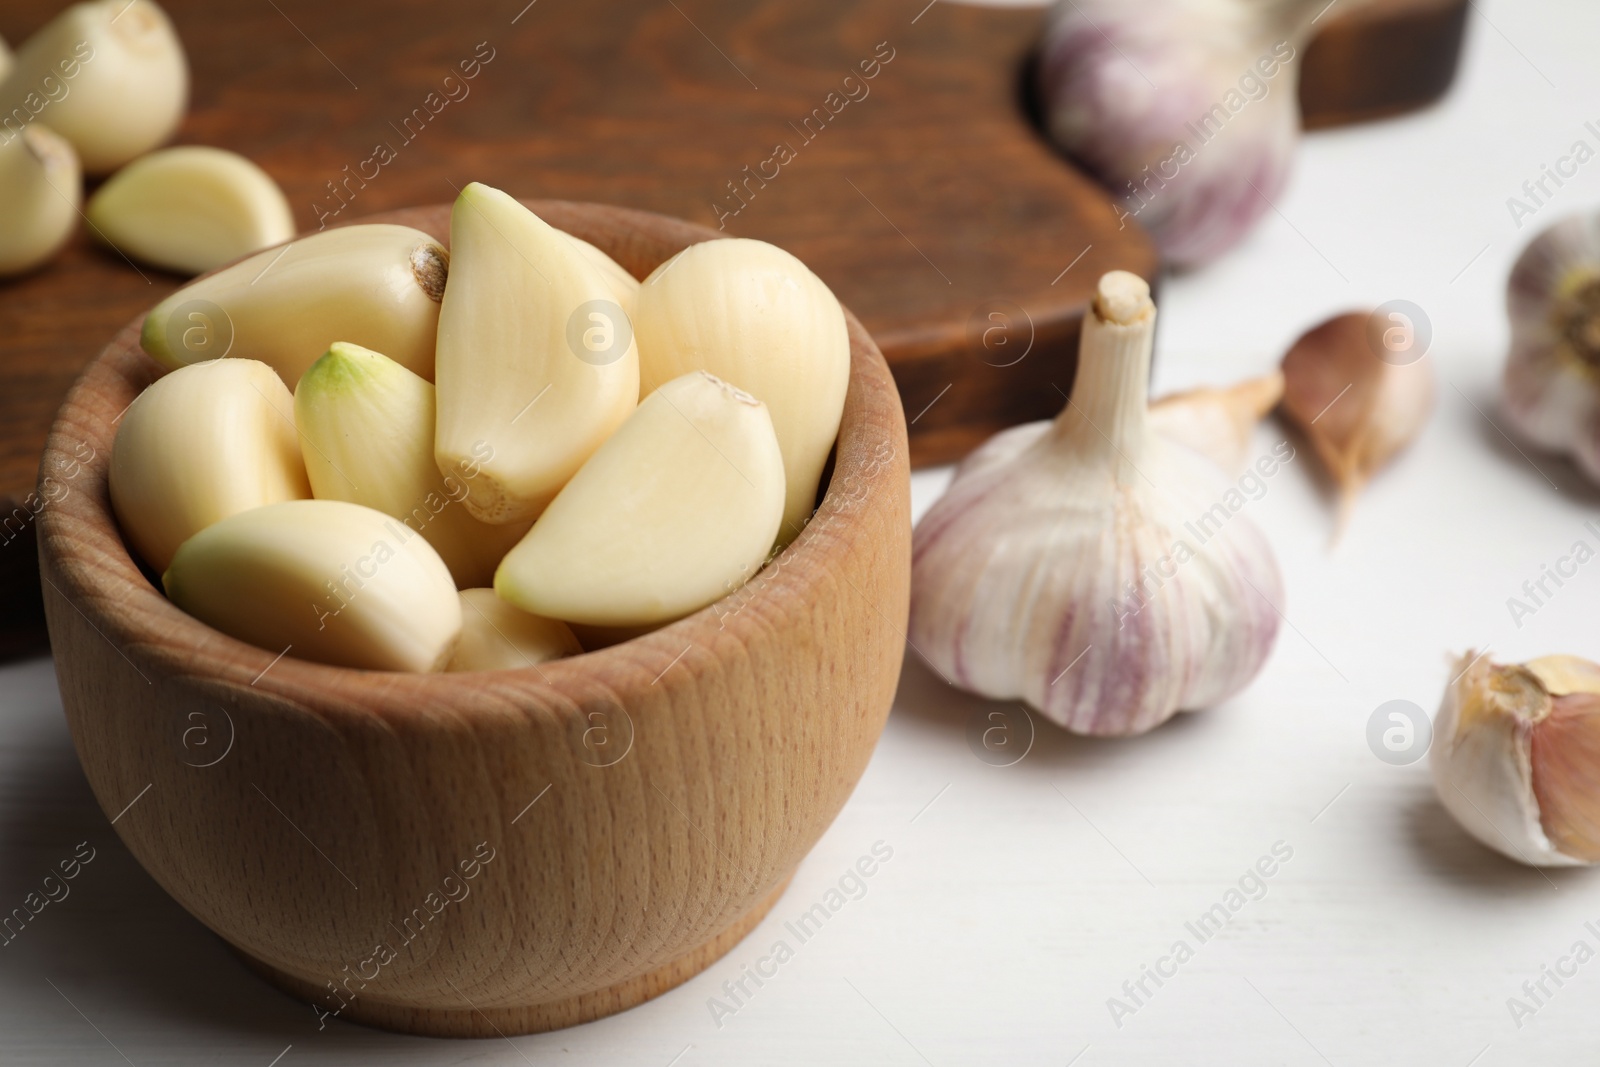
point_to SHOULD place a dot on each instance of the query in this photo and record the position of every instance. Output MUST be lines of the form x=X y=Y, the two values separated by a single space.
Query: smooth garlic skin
x=1552 y=377
x=1024 y=574
x=1516 y=757
x=190 y=209
x=323 y=580
x=366 y=434
x=676 y=510
x=624 y=286
x=1122 y=84
x=376 y=285
x=513 y=369
x=198 y=445
x=754 y=315
x=109 y=75
x=41 y=186
x=496 y=636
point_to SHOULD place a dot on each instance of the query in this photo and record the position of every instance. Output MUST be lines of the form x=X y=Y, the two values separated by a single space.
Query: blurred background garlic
x=1186 y=109
x=1358 y=410
x=1516 y=757
x=42 y=187
x=1552 y=377
x=108 y=75
x=190 y=209
x=1098 y=571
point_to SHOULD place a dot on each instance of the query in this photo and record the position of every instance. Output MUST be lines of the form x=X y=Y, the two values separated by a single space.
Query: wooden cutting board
x=917 y=188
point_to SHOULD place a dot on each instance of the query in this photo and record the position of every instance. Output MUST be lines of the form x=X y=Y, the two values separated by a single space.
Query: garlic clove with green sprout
x=1186 y=109
x=1552 y=377
x=1516 y=757
x=1099 y=572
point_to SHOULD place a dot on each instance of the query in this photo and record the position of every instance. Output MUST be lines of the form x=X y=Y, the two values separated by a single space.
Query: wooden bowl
x=499 y=852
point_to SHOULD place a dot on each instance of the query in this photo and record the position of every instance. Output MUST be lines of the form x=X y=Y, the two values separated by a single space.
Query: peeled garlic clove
x=1186 y=109
x=675 y=511
x=1358 y=411
x=1218 y=423
x=624 y=286
x=366 y=426
x=376 y=285
x=496 y=636
x=1552 y=376
x=755 y=316
x=1095 y=569
x=203 y=443
x=323 y=580
x=190 y=209
x=41 y=187
x=108 y=75
x=1516 y=757
x=532 y=362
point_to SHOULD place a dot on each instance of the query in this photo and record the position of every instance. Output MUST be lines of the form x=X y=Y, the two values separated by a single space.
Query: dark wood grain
x=747 y=726
x=1380 y=58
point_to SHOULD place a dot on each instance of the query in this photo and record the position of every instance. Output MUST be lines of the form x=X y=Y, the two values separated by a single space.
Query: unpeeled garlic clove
x=1552 y=377
x=496 y=636
x=375 y=285
x=1357 y=410
x=531 y=360
x=676 y=510
x=1218 y=423
x=108 y=75
x=1097 y=571
x=624 y=286
x=755 y=316
x=198 y=445
x=1516 y=757
x=190 y=209
x=41 y=187
x=366 y=428
x=323 y=580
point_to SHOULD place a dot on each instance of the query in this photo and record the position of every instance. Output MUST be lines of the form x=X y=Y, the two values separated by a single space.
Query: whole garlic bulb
x=1186 y=109
x=1101 y=572
x=1513 y=759
x=1552 y=377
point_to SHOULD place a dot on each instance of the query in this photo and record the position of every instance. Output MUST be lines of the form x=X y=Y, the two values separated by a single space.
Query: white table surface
x=1019 y=899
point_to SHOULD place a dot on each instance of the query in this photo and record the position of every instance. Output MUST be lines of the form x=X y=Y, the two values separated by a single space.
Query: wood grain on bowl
x=500 y=852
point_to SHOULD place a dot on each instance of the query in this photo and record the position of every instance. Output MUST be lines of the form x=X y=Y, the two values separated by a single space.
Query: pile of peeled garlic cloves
x=95 y=92
x=496 y=446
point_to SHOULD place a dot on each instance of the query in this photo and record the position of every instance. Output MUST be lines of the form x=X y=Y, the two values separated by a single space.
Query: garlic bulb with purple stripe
x=1101 y=572
x=1552 y=378
x=1186 y=109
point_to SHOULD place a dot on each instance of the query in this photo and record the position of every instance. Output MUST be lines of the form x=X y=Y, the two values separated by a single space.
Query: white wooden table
x=1018 y=900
